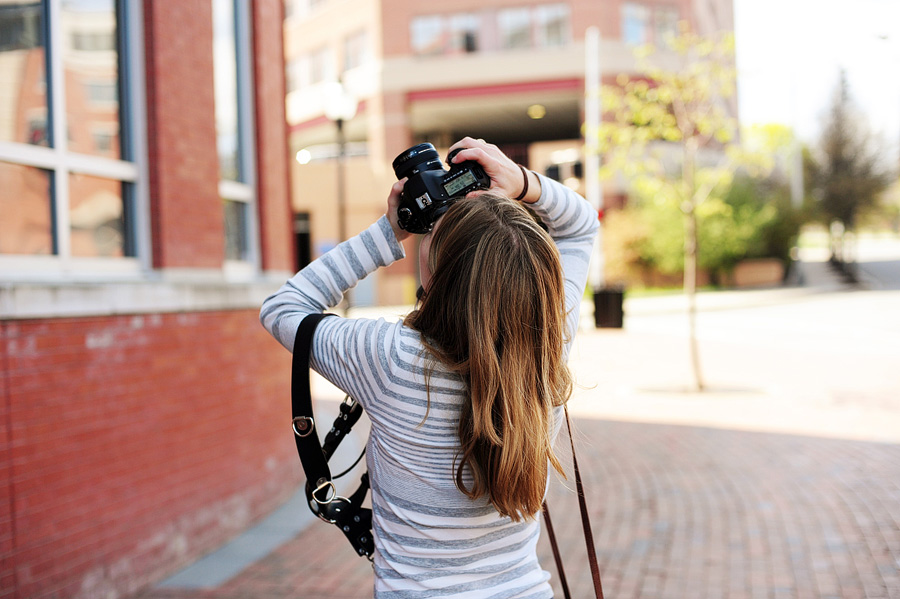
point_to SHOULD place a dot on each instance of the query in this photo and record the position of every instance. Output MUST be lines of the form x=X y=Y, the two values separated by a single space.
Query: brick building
x=510 y=71
x=144 y=215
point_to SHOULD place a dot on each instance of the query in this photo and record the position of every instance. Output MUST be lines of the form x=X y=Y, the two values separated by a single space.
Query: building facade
x=509 y=71
x=144 y=215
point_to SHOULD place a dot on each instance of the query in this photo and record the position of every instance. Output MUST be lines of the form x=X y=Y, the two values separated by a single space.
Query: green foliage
x=752 y=219
x=763 y=209
x=672 y=135
x=686 y=107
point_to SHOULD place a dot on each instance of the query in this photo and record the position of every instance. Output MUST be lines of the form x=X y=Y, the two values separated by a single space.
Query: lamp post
x=340 y=107
x=608 y=299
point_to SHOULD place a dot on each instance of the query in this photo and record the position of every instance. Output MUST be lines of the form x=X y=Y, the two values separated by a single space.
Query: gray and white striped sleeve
x=572 y=223
x=322 y=283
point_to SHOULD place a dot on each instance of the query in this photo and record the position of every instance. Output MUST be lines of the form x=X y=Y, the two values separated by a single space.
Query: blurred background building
x=402 y=72
x=144 y=204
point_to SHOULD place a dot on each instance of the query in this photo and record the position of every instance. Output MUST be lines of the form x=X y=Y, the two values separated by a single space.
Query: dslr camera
x=429 y=190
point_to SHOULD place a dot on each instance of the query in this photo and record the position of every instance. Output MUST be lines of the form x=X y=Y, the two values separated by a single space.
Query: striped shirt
x=430 y=539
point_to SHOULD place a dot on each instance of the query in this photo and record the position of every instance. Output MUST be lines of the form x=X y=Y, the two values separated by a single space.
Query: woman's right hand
x=393 y=202
x=506 y=176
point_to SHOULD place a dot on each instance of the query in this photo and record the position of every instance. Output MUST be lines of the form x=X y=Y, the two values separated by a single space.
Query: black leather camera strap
x=345 y=513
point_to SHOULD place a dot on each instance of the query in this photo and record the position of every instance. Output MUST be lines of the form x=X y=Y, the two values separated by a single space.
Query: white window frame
x=58 y=159
x=244 y=191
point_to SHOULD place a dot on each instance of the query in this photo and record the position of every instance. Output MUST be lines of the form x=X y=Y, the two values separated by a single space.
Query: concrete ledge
x=54 y=300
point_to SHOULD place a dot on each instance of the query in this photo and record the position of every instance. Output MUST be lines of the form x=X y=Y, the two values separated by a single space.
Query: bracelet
x=525 y=189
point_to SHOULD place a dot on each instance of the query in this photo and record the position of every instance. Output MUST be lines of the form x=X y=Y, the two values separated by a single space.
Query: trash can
x=608 y=307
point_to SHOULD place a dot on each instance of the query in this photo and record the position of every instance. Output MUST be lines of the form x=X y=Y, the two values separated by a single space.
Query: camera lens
x=422 y=157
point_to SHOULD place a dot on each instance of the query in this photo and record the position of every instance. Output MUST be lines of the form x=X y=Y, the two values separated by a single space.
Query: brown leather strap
x=556 y=556
x=585 y=521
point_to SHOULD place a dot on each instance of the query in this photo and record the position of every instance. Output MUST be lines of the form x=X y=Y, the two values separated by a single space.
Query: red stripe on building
x=494 y=90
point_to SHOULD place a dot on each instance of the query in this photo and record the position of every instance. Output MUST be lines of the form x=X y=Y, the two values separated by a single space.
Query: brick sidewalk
x=781 y=481
x=679 y=512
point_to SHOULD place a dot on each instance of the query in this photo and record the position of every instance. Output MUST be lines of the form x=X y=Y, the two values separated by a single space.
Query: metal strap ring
x=327 y=500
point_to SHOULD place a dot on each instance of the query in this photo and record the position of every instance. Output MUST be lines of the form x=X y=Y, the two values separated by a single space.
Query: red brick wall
x=275 y=214
x=7 y=578
x=187 y=216
x=130 y=445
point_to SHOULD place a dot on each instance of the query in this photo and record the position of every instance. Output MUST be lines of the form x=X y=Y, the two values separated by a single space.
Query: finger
x=471 y=153
x=468 y=142
x=394 y=195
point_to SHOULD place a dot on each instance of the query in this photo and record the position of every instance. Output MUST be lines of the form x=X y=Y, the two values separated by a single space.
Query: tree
x=847 y=174
x=672 y=134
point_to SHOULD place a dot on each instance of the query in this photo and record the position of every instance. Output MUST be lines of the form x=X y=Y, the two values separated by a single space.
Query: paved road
x=881 y=274
x=782 y=480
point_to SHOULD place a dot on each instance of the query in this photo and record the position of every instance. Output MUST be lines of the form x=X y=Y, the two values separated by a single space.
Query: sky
x=790 y=52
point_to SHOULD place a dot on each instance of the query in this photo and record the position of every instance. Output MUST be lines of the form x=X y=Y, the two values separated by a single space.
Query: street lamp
x=340 y=107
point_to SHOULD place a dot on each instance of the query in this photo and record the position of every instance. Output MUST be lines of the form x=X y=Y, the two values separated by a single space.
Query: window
x=665 y=24
x=298 y=74
x=312 y=68
x=23 y=52
x=301 y=8
x=101 y=93
x=356 y=50
x=93 y=41
x=103 y=140
x=231 y=72
x=27 y=206
x=68 y=172
x=464 y=33
x=321 y=66
x=541 y=26
x=427 y=35
x=552 y=25
x=515 y=28
x=225 y=73
x=635 y=23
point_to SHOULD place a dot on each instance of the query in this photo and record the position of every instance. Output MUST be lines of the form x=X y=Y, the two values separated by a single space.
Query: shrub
x=644 y=242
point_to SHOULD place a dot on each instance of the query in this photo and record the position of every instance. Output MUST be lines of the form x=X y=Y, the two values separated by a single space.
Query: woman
x=465 y=395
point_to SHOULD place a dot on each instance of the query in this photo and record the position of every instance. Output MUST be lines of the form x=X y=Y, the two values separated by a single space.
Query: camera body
x=429 y=190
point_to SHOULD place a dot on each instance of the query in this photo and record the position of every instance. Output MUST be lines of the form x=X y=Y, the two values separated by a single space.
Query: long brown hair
x=494 y=313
